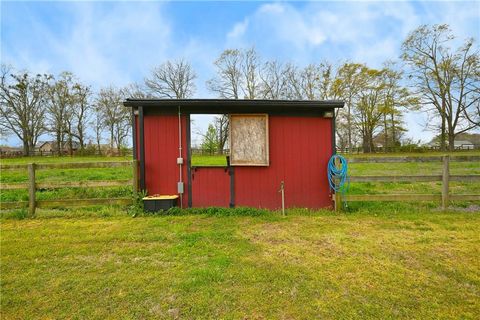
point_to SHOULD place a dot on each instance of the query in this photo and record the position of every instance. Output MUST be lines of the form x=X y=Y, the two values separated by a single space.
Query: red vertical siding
x=299 y=151
x=210 y=187
x=161 y=153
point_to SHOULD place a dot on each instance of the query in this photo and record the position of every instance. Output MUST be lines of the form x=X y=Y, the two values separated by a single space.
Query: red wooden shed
x=273 y=143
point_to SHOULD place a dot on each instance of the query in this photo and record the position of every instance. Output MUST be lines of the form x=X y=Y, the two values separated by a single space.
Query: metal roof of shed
x=232 y=105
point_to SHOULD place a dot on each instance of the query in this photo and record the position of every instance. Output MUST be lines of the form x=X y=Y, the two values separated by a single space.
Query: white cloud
x=102 y=44
x=238 y=30
x=357 y=31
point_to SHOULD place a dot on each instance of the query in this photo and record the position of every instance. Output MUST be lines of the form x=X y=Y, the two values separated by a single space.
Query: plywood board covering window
x=249 y=140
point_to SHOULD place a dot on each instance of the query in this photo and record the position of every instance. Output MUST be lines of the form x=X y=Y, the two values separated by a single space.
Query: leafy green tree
x=347 y=84
x=368 y=112
x=210 y=140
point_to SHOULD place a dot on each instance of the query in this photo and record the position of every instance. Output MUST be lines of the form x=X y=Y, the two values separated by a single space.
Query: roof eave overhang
x=216 y=106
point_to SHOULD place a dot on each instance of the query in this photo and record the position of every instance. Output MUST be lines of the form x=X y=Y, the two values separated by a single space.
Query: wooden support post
x=135 y=175
x=31 y=189
x=282 y=191
x=338 y=196
x=445 y=181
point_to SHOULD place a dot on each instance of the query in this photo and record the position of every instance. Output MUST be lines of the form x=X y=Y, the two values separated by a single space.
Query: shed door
x=210 y=187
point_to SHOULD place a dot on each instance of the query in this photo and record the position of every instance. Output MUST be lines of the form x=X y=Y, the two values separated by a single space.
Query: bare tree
x=237 y=72
x=446 y=80
x=60 y=104
x=81 y=113
x=222 y=128
x=98 y=124
x=397 y=98
x=228 y=81
x=326 y=91
x=115 y=116
x=173 y=80
x=310 y=79
x=136 y=91
x=294 y=88
x=274 y=82
x=22 y=107
x=250 y=71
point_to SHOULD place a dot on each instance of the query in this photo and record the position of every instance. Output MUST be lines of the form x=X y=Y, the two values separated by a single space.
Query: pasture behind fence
x=32 y=186
x=444 y=197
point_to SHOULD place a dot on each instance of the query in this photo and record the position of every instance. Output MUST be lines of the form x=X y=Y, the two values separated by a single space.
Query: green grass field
x=103 y=264
x=376 y=261
x=206 y=160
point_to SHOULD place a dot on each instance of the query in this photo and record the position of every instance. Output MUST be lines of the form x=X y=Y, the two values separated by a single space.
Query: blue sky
x=117 y=43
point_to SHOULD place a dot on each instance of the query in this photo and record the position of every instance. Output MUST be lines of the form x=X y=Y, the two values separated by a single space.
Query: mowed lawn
x=103 y=264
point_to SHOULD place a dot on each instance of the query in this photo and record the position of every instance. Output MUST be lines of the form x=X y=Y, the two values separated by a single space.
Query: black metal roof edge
x=233 y=102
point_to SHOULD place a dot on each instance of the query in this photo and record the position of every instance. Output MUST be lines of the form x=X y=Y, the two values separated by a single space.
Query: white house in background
x=463 y=144
x=458 y=144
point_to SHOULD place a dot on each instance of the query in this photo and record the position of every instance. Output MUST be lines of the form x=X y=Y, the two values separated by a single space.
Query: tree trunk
x=394 y=139
x=220 y=144
x=451 y=140
x=443 y=135
x=385 y=133
x=98 y=145
x=59 y=144
x=70 y=144
x=31 y=147
x=26 y=150
x=366 y=144
x=370 y=140
x=81 y=142
x=111 y=137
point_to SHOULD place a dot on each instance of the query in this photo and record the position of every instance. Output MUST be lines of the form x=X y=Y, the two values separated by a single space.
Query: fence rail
x=32 y=186
x=381 y=159
x=417 y=178
x=69 y=165
x=67 y=184
x=66 y=202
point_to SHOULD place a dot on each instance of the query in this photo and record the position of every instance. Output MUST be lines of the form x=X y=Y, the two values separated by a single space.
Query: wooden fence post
x=445 y=181
x=338 y=196
x=135 y=175
x=31 y=189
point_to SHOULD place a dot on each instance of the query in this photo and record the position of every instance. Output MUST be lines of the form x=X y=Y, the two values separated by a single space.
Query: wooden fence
x=33 y=186
x=445 y=178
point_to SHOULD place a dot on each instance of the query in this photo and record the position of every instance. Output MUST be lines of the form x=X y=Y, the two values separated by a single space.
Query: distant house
x=46 y=147
x=463 y=145
x=434 y=144
x=6 y=151
x=458 y=144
